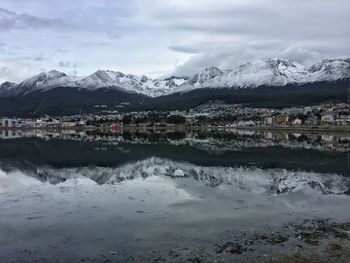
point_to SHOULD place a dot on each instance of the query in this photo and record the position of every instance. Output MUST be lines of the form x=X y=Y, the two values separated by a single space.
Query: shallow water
x=129 y=196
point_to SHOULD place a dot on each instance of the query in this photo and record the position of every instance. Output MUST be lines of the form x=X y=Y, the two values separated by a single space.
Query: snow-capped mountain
x=270 y=72
x=130 y=83
x=100 y=79
x=273 y=72
x=43 y=81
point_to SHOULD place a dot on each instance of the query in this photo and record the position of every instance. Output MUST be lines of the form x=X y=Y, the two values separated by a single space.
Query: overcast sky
x=159 y=37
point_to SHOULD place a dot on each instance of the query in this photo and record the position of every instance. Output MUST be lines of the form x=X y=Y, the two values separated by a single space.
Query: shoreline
x=326 y=129
x=340 y=129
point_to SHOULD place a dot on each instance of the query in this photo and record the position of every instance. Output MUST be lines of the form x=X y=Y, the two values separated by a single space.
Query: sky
x=158 y=37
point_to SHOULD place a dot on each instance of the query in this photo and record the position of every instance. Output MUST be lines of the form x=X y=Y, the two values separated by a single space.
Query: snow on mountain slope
x=270 y=72
x=330 y=69
x=206 y=75
x=159 y=87
x=273 y=72
x=131 y=83
x=44 y=81
x=199 y=80
x=107 y=78
x=100 y=79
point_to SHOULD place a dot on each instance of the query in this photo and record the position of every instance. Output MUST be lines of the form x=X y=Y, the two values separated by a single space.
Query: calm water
x=148 y=196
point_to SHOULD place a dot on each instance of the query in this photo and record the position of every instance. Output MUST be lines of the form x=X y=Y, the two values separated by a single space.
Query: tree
x=127 y=119
x=176 y=119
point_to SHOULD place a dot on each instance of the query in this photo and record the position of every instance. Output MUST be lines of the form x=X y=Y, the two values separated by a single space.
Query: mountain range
x=112 y=87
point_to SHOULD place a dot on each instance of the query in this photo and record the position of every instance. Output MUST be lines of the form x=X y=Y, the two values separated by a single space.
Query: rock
x=230 y=247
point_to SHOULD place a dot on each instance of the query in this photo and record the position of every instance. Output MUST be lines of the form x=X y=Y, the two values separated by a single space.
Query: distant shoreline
x=299 y=128
x=342 y=129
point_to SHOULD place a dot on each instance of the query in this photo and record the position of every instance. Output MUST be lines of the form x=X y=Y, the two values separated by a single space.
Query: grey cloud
x=4 y=71
x=230 y=56
x=183 y=49
x=40 y=57
x=64 y=64
x=304 y=56
x=222 y=33
x=11 y=71
x=229 y=33
x=10 y=20
x=261 y=26
x=226 y=21
x=62 y=50
x=34 y=58
x=95 y=44
x=114 y=35
x=267 y=18
x=3 y=48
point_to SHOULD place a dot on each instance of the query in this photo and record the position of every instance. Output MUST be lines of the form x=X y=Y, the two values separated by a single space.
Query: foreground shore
x=306 y=241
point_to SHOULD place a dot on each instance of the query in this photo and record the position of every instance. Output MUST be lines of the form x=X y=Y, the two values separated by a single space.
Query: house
x=297 y=121
x=327 y=118
x=282 y=119
x=268 y=121
x=343 y=120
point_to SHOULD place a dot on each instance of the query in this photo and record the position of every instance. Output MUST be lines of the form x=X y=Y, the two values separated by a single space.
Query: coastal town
x=214 y=113
x=211 y=140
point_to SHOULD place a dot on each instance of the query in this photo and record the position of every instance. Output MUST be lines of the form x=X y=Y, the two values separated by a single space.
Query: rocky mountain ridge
x=270 y=72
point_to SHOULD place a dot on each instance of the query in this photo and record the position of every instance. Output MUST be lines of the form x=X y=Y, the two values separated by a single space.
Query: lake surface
x=170 y=196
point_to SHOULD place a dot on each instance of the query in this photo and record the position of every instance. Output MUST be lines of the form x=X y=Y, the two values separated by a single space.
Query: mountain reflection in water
x=265 y=150
x=95 y=192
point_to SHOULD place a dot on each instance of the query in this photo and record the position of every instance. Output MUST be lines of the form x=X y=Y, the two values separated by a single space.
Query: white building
x=8 y=123
x=327 y=118
x=297 y=121
x=269 y=121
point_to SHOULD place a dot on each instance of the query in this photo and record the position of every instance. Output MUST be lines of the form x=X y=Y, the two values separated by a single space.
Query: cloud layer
x=157 y=37
x=10 y=20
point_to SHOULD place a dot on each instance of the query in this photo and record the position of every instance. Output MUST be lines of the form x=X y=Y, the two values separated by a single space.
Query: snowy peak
x=282 y=63
x=130 y=83
x=43 y=81
x=7 y=85
x=205 y=75
x=331 y=65
x=275 y=72
x=46 y=77
x=331 y=69
x=53 y=74
x=101 y=78
x=270 y=72
x=290 y=70
x=159 y=87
